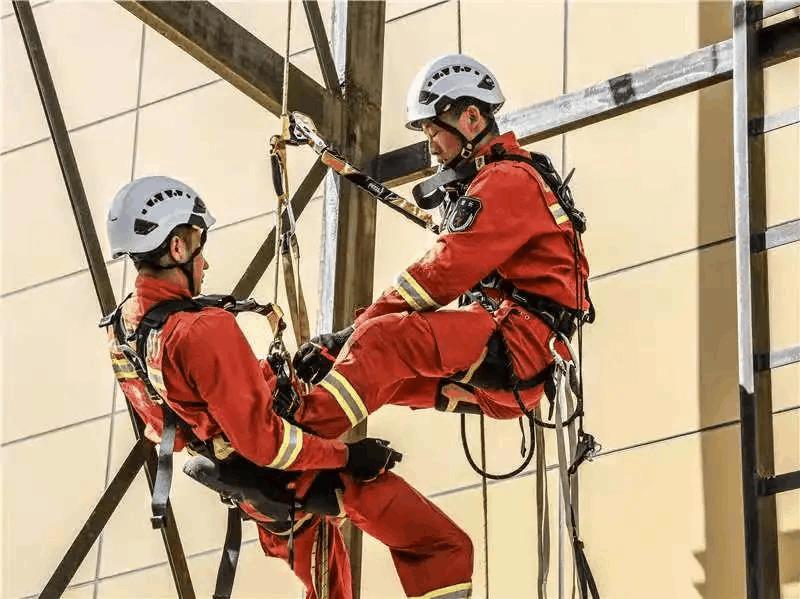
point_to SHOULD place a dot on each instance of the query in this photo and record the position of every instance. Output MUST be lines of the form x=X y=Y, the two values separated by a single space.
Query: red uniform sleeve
x=510 y=212
x=216 y=358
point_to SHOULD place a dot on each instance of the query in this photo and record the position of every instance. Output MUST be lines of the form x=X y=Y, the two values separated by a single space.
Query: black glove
x=315 y=358
x=369 y=458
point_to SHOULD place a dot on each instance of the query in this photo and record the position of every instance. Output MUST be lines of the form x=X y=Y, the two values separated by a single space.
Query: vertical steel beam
x=97 y=267
x=755 y=401
x=359 y=138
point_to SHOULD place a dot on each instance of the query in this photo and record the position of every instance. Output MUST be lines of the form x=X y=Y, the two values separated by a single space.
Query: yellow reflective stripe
x=157 y=379
x=558 y=213
x=456 y=591
x=347 y=397
x=414 y=294
x=290 y=447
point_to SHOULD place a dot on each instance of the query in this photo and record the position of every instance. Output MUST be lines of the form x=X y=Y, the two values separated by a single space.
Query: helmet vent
x=199 y=206
x=143 y=227
x=486 y=83
x=426 y=97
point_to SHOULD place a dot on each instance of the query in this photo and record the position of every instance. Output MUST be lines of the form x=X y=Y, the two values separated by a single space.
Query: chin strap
x=467 y=145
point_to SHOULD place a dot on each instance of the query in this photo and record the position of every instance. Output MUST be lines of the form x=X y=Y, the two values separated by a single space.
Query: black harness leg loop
x=163 y=481
x=230 y=555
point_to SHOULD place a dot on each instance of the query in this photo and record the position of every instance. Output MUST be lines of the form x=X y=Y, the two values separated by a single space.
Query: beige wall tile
x=782 y=148
x=396 y=9
x=782 y=87
x=528 y=29
x=661 y=358
x=35 y=200
x=644 y=34
x=167 y=69
x=784 y=295
x=409 y=44
x=216 y=140
x=48 y=384
x=787 y=459
x=84 y=592
x=256 y=576
x=785 y=382
x=93 y=80
x=129 y=541
x=42 y=512
x=664 y=199
x=665 y=520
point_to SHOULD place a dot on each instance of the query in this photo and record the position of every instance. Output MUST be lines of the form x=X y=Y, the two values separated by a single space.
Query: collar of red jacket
x=507 y=140
x=151 y=291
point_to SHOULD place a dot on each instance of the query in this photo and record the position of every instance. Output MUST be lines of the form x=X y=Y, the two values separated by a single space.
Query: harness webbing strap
x=163 y=481
x=298 y=312
x=230 y=555
x=542 y=509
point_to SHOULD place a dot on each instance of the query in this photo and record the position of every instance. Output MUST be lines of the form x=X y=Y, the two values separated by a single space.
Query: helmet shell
x=446 y=79
x=145 y=212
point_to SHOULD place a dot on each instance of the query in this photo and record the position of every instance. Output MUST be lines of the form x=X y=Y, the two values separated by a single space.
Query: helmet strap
x=467 y=145
x=186 y=267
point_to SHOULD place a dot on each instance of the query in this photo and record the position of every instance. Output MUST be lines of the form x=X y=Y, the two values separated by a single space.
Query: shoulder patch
x=463 y=214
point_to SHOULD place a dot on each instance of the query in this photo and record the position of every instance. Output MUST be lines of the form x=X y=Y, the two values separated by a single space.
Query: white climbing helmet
x=446 y=79
x=145 y=212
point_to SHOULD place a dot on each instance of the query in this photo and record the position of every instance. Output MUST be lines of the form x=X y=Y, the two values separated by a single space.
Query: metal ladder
x=760 y=485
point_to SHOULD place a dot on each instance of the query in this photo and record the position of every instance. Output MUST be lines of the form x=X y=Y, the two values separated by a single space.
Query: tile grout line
x=125 y=268
x=73 y=273
x=182 y=92
x=440 y=494
x=551 y=467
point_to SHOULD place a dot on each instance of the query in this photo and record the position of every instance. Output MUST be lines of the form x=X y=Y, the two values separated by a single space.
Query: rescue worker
x=201 y=365
x=506 y=240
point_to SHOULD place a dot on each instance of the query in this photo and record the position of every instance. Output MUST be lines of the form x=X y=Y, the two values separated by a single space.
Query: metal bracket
x=772 y=485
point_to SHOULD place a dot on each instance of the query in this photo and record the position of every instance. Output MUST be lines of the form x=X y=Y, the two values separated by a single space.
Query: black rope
x=480 y=471
x=485 y=498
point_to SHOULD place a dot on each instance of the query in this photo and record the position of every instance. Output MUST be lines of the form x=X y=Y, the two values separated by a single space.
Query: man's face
x=443 y=144
x=181 y=250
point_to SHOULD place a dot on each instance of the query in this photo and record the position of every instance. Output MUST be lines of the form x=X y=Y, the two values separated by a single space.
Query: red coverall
x=202 y=365
x=404 y=344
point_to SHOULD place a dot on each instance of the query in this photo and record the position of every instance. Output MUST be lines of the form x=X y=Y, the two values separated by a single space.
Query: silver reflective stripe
x=346 y=396
x=414 y=294
x=290 y=447
x=456 y=591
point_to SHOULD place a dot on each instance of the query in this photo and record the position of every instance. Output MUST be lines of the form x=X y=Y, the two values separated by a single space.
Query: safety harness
x=216 y=464
x=562 y=380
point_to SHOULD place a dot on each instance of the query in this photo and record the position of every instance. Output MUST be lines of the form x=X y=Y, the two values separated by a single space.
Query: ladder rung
x=776 y=359
x=772 y=122
x=773 y=485
x=778 y=235
x=775 y=7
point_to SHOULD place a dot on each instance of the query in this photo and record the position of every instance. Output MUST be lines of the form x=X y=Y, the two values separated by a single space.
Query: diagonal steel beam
x=258 y=265
x=322 y=47
x=94 y=257
x=113 y=494
x=66 y=157
x=213 y=38
x=616 y=96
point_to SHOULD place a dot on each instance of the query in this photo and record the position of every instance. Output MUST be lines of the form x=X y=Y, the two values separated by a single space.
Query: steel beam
x=789 y=481
x=775 y=7
x=359 y=138
x=776 y=359
x=258 y=265
x=66 y=157
x=97 y=268
x=113 y=494
x=773 y=122
x=322 y=47
x=616 y=96
x=211 y=37
x=788 y=232
x=755 y=401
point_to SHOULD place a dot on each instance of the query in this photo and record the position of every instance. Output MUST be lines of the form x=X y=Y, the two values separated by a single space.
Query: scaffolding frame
x=348 y=112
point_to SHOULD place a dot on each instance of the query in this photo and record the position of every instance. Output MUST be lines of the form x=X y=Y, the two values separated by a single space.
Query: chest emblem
x=463 y=214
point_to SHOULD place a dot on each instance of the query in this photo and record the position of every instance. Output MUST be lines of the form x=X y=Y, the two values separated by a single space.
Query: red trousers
x=432 y=556
x=401 y=359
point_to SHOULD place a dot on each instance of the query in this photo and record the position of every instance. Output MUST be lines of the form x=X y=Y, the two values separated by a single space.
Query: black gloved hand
x=369 y=458
x=315 y=358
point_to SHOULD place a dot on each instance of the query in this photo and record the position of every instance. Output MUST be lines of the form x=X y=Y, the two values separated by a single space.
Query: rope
x=485 y=497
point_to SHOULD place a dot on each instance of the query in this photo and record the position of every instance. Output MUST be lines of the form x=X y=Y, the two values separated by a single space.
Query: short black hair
x=154 y=257
x=459 y=105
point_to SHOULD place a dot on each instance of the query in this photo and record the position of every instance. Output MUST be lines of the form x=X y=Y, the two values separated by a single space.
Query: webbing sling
x=230 y=555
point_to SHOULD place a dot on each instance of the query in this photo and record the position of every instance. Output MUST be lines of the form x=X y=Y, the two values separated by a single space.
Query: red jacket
x=202 y=365
x=510 y=222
